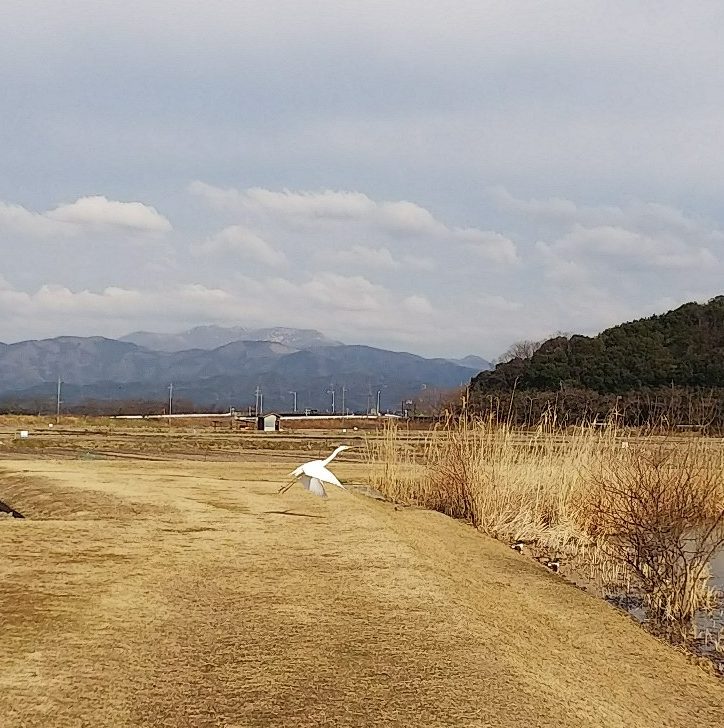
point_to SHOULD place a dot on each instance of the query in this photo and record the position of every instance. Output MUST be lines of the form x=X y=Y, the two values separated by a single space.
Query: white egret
x=314 y=474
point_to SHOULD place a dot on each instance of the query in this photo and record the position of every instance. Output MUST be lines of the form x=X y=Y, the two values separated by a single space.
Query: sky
x=440 y=177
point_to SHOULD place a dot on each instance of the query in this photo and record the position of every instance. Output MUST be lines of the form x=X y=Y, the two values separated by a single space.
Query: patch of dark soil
x=8 y=511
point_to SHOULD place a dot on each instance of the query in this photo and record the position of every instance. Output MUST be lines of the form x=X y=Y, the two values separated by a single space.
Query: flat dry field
x=187 y=592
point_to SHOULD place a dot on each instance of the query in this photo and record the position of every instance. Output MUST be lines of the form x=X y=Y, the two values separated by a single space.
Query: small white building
x=268 y=423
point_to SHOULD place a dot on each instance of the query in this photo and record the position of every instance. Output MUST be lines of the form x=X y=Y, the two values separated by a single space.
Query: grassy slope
x=189 y=593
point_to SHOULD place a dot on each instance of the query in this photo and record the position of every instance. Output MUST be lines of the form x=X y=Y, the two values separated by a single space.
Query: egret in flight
x=314 y=474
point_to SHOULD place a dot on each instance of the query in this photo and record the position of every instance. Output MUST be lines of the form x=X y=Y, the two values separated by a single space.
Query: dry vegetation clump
x=659 y=513
x=643 y=515
x=507 y=485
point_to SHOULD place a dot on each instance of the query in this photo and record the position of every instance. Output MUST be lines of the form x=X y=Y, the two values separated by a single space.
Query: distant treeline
x=666 y=369
x=670 y=407
x=108 y=408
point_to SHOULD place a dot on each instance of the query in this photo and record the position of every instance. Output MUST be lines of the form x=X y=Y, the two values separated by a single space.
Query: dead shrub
x=659 y=512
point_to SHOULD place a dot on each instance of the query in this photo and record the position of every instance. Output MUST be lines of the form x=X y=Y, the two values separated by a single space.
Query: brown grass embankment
x=229 y=604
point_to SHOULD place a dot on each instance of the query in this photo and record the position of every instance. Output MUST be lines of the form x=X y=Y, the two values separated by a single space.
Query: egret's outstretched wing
x=331 y=478
x=313 y=485
x=315 y=469
x=316 y=487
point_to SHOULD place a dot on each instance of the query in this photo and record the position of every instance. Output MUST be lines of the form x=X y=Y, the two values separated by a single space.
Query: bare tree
x=523 y=349
x=660 y=514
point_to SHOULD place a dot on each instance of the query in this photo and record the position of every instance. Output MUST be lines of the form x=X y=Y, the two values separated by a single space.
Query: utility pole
x=57 y=402
x=170 y=398
x=379 y=397
x=295 y=401
x=257 y=403
x=331 y=391
x=344 y=389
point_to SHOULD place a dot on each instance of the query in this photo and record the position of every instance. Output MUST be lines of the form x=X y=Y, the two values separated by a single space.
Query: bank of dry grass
x=232 y=605
x=624 y=508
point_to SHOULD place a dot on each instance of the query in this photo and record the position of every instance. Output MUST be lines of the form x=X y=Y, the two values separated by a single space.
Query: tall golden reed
x=564 y=490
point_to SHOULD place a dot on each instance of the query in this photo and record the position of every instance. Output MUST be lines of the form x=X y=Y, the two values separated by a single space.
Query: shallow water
x=709 y=626
x=717 y=570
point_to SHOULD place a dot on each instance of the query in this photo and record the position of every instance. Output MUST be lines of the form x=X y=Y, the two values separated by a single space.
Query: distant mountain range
x=208 y=373
x=212 y=337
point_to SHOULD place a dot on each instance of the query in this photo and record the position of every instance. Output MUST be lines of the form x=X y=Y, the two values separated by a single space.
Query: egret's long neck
x=333 y=455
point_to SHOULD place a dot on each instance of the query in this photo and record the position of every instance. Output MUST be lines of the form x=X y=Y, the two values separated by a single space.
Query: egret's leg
x=285 y=488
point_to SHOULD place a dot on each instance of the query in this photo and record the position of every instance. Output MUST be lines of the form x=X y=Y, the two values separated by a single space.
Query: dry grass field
x=182 y=590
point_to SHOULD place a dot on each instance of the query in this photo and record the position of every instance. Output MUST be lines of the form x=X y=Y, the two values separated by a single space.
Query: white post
x=57 y=403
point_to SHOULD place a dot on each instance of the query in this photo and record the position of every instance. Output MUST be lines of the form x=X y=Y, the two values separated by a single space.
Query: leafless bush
x=659 y=511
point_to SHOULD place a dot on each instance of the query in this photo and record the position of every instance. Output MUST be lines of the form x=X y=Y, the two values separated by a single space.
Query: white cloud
x=55 y=309
x=100 y=212
x=19 y=220
x=345 y=293
x=328 y=204
x=351 y=308
x=400 y=220
x=619 y=243
x=650 y=218
x=87 y=214
x=366 y=257
x=418 y=262
x=553 y=208
x=243 y=242
x=408 y=218
x=489 y=245
x=620 y=246
x=418 y=304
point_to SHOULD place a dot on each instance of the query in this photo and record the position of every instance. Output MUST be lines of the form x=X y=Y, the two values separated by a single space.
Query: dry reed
x=639 y=514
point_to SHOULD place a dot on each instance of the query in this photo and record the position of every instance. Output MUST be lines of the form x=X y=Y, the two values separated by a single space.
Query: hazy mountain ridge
x=212 y=337
x=226 y=376
x=473 y=362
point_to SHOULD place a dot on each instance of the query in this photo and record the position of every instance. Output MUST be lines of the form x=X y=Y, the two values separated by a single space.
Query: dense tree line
x=47 y=406
x=667 y=368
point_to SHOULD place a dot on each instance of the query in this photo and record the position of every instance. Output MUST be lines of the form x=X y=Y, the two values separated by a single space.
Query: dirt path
x=191 y=594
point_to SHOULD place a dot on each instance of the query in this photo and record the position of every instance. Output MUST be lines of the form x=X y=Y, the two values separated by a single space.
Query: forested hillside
x=671 y=366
